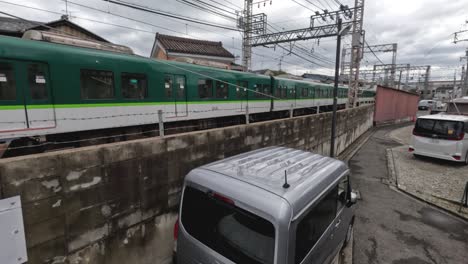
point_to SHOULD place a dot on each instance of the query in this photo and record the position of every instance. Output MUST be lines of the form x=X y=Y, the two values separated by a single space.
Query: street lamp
x=340 y=32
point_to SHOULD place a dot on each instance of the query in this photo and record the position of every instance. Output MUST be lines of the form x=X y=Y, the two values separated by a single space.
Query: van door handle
x=338 y=223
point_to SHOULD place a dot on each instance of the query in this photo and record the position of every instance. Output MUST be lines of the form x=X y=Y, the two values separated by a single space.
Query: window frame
x=224 y=89
x=211 y=96
x=195 y=190
x=332 y=188
x=45 y=85
x=114 y=97
x=237 y=88
x=13 y=70
x=132 y=76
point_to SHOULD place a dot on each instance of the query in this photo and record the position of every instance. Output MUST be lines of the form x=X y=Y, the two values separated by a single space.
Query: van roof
x=308 y=174
x=461 y=118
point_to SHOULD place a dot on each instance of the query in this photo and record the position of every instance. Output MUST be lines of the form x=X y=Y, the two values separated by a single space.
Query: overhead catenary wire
x=93 y=20
x=205 y=9
x=306 y=6
x=372 y=51
x=211 y=6
x=167 y=14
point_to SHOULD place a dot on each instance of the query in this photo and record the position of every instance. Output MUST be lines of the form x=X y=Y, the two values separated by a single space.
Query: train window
x=96 y=84
x=305 y=92
x=241 y=92
x=134 y=85
x=266 y=90
x=278 y=91
x=284 y=92
x=37 y=82
x=205 y=88
x=221 y=90
x=7 y=82
x=258 y=90
x=168 y=86
x=181 y=91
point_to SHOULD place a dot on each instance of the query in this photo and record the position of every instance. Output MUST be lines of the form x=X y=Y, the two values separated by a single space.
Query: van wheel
x=466 y=159
x=349 y=233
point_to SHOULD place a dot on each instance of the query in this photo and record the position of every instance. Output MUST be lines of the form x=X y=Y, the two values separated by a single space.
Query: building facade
x=15 y=28
x=201 y=52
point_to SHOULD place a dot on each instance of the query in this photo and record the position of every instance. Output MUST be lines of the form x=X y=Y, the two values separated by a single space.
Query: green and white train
x=51 y=90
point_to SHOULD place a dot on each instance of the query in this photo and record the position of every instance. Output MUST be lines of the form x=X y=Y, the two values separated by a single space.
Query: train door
x=12 y=106
x=39 y=106
x=180 y=92
x=176 y=91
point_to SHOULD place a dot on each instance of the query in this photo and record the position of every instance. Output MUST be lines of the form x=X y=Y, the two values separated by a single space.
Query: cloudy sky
x=423 y=29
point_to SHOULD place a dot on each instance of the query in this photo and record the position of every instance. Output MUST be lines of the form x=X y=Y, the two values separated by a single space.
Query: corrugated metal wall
x=393 y=106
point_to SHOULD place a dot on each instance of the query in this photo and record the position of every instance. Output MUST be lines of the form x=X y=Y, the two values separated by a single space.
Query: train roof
x=15 y=48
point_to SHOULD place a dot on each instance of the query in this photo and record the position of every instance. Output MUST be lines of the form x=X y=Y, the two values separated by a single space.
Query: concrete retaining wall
x=117 y=203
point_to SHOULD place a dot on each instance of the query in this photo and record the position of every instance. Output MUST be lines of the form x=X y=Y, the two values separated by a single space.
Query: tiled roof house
x=209 y=53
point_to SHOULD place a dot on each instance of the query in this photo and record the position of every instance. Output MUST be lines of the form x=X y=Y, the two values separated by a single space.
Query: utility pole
x=246 y=25
x=393 y=70
x=356 y=53
x=426 y=79
x=464 y=82
x=454 y=83
x=335 y=89
x=399 y=80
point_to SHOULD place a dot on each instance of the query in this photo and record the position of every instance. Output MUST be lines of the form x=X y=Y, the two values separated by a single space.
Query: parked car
x=270 y=206
x=441 y=136
x=425 y=104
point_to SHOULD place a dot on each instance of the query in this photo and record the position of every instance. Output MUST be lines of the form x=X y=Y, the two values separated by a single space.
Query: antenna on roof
x=285 y=185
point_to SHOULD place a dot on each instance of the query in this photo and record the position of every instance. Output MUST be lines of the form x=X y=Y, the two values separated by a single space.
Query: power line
x=367 y=44
x=96 y=21
x=324 y=5
x=228 y=1
x=213 y=6
x=208 y=10
x=164 y=13
x=226 y=6
x=307 y=6
x=304 y=50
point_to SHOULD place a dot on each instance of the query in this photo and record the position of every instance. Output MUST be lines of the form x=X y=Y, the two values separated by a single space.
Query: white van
x=425 y=104
x=441 y=136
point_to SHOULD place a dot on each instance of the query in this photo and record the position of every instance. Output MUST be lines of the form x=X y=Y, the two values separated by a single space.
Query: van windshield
x=233 y=232
x=443 y=129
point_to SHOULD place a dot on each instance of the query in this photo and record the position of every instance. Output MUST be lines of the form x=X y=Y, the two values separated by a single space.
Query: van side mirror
x=352 y=199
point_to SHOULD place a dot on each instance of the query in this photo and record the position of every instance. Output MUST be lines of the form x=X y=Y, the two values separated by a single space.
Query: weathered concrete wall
x=117 y=203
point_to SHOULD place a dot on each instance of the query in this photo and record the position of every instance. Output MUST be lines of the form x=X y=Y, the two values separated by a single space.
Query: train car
x=48 y=90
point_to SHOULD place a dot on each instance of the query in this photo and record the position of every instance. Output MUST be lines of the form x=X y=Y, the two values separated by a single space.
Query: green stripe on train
x=47 y=106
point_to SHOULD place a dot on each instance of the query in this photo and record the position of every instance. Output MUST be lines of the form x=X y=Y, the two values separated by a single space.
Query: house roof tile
x=193 y=46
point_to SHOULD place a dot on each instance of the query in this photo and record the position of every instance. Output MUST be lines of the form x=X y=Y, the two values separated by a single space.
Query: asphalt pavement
x=392 y=227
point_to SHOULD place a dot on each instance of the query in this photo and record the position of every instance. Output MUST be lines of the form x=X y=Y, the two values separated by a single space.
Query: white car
x=425 y=104
x=441 y=136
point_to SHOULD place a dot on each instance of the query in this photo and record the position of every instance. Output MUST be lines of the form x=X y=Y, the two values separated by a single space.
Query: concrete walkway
x=392 y=227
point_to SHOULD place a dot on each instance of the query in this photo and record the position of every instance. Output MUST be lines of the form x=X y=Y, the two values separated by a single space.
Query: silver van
x=272 y=205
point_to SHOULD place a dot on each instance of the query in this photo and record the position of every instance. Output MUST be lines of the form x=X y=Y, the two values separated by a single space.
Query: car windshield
x=231 y=231
x=439 y=128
